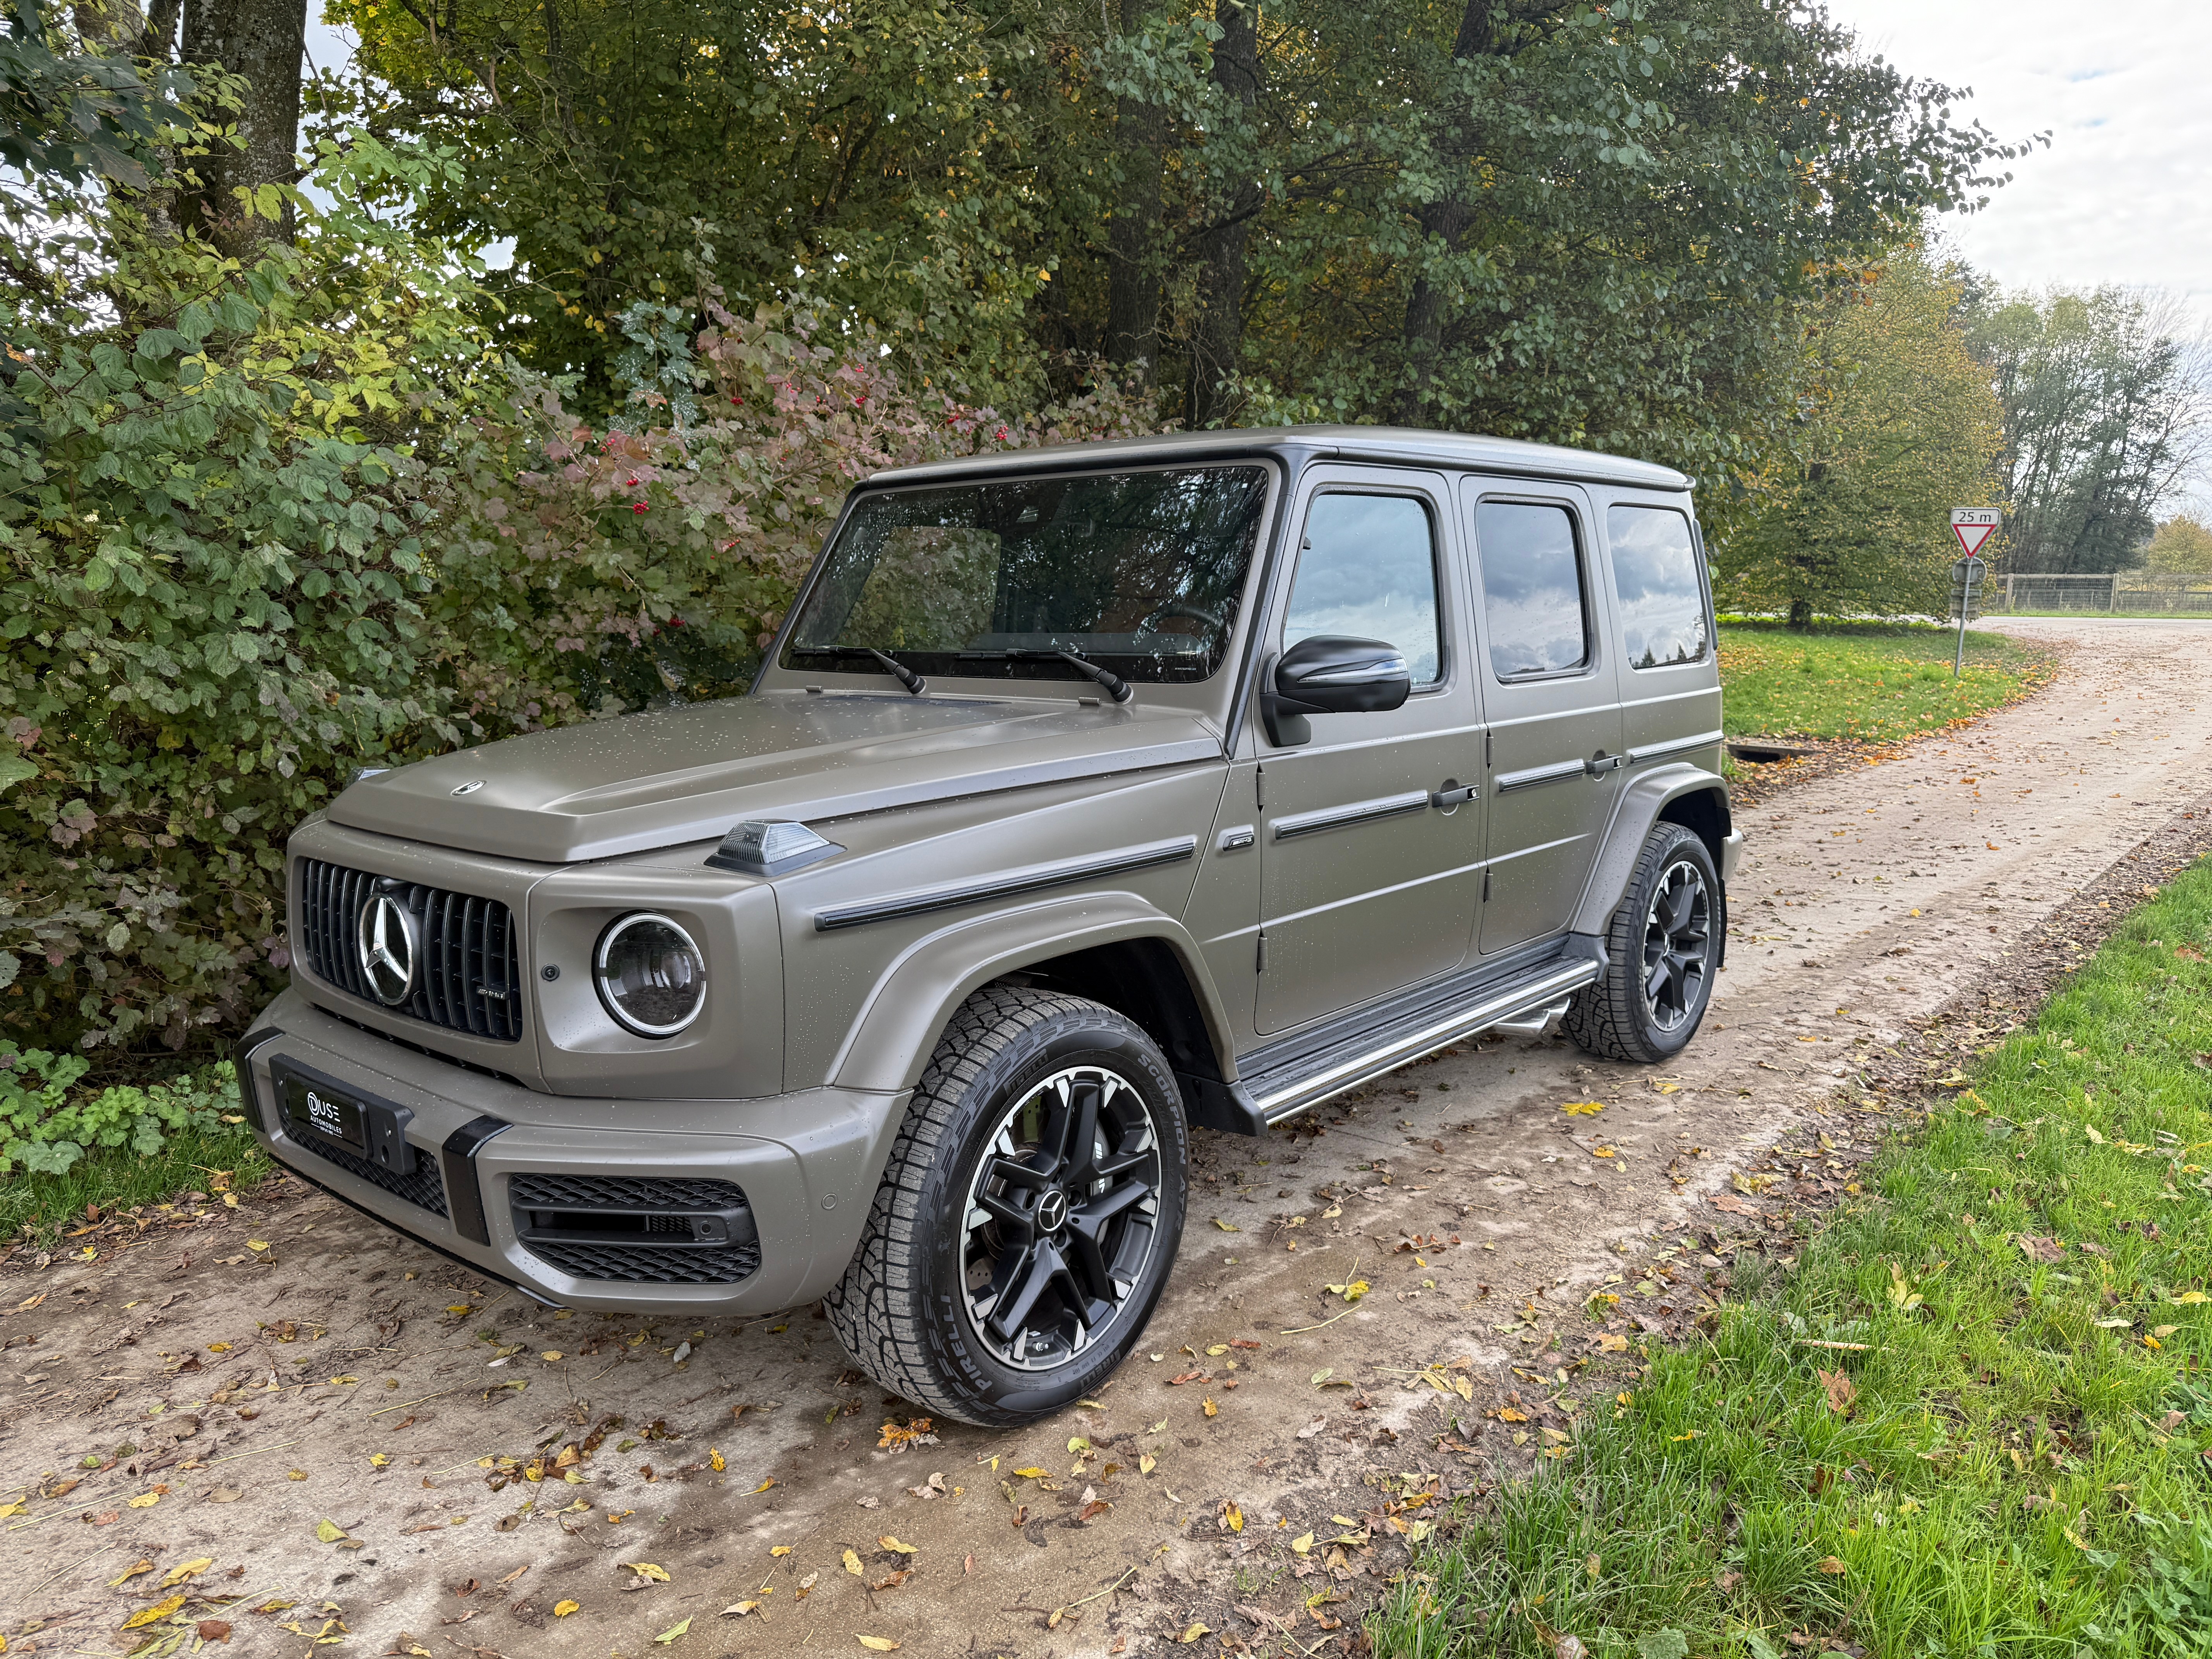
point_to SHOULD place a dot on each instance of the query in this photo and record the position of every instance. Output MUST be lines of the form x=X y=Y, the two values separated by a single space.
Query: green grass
x=42 y=1206
x=2003 y=1482
x=1875 y=682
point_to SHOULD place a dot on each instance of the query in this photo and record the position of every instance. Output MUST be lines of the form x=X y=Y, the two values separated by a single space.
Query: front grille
x=578 y=1192
x=423 y=1189
x=646 y=1264
x=596 y=1227
x=469 y=978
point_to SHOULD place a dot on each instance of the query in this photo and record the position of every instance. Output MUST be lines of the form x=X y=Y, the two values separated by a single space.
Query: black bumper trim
x=249 y=1098
x=462 y=1190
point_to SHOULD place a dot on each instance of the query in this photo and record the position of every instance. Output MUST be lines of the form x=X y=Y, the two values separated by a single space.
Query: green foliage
x=45 y=1132
x=213 y=576
x=2021 y=1466
x=1871 y=681
x=1902 y=426
x=2181 y=546
x=2107 y=405
x=74 y=110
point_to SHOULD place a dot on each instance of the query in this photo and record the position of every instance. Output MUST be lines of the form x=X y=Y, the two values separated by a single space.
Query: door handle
x=1600 y=763
x=1452 y=794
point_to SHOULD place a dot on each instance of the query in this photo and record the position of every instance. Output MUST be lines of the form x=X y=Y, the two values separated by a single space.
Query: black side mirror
x=1330 y=675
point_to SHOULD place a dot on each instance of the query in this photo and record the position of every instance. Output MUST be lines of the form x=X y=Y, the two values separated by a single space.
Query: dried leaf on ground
x=674 y=1632
x=561 y=1609
x=880 y=1645
x=1841 y=1390
x=652 y=1572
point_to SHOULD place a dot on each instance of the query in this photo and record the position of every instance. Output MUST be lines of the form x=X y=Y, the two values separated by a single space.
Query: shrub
x=44 y=1131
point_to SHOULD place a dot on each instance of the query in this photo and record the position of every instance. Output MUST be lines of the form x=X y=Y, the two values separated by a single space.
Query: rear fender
x=1679 y=793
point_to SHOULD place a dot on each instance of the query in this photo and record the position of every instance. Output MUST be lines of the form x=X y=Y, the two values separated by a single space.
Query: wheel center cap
x=1052 y=1211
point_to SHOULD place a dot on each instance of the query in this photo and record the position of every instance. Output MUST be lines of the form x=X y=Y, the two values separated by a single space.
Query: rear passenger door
x=1551 y=694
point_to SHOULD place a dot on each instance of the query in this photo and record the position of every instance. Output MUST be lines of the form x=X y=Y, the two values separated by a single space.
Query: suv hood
x=610 y=787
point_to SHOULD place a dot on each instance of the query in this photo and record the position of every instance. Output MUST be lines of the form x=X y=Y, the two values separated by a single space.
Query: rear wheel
x=1664 y=942
x=1029 y=1216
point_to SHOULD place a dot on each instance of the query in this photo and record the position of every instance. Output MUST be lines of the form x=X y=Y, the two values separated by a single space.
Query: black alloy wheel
x=1663 y=948
x=1678 y=930
x=1028 y=1217
x=1062 y=1216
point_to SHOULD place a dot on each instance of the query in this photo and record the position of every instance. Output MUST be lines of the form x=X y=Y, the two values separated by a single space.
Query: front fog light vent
x=638 y=1228
x=651 y=976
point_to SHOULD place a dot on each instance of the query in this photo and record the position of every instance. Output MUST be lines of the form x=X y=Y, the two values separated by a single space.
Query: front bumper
x=808 y=1162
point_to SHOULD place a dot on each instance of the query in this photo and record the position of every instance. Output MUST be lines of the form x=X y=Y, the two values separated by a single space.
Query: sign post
x=1973 y=526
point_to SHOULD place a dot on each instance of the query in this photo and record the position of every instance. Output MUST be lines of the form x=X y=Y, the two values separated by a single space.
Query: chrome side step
x=1529 y=1007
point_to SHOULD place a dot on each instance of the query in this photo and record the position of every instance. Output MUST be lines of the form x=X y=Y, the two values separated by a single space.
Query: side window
x=1532 y=588
x=1655 y=569
x=1369 y=571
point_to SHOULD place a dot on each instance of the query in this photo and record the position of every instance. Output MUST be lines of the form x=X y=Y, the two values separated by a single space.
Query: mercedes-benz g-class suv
x=1086 y=795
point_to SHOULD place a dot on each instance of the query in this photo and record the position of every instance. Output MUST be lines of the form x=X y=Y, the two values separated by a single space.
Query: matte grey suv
x=1087 y=795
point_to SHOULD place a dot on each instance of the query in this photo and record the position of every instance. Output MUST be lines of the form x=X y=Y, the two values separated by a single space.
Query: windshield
x=1139 y=573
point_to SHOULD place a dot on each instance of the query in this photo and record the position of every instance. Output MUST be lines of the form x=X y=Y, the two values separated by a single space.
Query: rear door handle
x=1600 y=763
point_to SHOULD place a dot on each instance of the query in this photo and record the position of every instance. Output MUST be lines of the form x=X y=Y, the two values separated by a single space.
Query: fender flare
x=891 y=1038
x=1641 y=803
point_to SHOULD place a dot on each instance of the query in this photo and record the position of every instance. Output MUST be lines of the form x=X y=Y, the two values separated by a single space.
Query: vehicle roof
x=1300 y=444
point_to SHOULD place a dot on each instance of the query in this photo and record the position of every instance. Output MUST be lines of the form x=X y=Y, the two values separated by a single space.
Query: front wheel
x=1029 y=1216
x=1664 y=942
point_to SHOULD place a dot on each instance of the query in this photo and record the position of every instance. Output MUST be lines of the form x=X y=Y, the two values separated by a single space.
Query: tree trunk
x=262 y=40
x=1800 y=613
x=1219 y=339
x=1133 y=270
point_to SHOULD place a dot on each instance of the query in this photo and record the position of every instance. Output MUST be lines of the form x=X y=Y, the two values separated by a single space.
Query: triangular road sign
x=1973 y=526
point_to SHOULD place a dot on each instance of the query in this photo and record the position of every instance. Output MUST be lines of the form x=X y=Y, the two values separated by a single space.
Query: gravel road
x=285 y=1364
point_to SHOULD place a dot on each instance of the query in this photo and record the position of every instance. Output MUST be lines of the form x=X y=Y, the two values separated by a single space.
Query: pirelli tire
x=1029 y=1216
x=1664 y=943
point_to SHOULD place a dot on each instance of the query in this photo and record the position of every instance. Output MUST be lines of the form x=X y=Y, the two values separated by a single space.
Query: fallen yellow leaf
x=880 y=1645
x=1211 y=1410
x=892 y=1543
x=184 y=1570
x=1146 y=1462
x=649 y=1572
x=1033 y=1474
x=161 y=1609
x=764 y=1486
x=257 y=1243
x=739 y=1609
x=145 y=1500
x=1583 y=1107
x=1303 y=1542
x=1829 y=1564
x=1227 y=1226
x=1233 y=1517
x=1193 y=1634
x=716 y=1460
x=563 y=1609
x=780 y=1549
x=851 y=1564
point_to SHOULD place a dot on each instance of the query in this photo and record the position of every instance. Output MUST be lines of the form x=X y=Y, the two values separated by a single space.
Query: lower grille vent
x=637 y=1229
x=422 y=1188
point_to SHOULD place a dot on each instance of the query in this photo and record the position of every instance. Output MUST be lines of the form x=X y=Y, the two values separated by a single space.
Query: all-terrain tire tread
x=871 y=1307
x=1605 y=1019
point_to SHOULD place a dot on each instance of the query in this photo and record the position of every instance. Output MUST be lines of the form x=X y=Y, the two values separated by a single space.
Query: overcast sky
x=2120 y=85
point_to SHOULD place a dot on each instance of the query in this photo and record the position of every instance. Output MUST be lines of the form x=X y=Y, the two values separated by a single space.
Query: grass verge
x=2010 y=1451
x=40 y=1208
x=1873 y=682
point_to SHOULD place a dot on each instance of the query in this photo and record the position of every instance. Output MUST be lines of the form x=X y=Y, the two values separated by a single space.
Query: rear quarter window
x=1655 y=572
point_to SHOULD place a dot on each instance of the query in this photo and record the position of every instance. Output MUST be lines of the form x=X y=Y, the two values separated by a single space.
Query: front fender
x=1642 y=802
x=892 y=1037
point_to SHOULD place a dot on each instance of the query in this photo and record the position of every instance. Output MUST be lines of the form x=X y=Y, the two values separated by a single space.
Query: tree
x=2106 y=408
x=2181 y=546
x=1903 y=425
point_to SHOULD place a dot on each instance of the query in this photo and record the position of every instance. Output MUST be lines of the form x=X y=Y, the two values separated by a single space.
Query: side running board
x=1525 y=1005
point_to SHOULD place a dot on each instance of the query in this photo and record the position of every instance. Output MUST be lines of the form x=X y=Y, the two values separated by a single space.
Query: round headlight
x=651 y=976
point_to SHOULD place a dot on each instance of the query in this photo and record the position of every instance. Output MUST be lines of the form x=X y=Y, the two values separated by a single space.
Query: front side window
x=1655 y=570
x=1368 y=571
x=1532 y=588
x=1140 y=573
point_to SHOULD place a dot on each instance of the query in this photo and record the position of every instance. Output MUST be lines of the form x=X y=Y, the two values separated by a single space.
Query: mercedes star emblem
x=387 y=949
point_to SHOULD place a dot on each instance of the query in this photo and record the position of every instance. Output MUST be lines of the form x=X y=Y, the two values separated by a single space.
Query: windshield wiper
x=1116 y=686
x=891 y=665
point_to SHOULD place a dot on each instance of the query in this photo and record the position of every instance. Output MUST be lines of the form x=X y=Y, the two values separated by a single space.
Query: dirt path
x=344 y=1375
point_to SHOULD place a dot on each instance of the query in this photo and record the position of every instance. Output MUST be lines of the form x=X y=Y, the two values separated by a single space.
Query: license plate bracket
x=337 y=1114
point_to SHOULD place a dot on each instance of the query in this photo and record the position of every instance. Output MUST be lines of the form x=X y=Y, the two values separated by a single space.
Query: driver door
x=1367 y=884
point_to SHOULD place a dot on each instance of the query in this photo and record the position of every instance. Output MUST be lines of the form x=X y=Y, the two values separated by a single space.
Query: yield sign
x=1973 y=526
